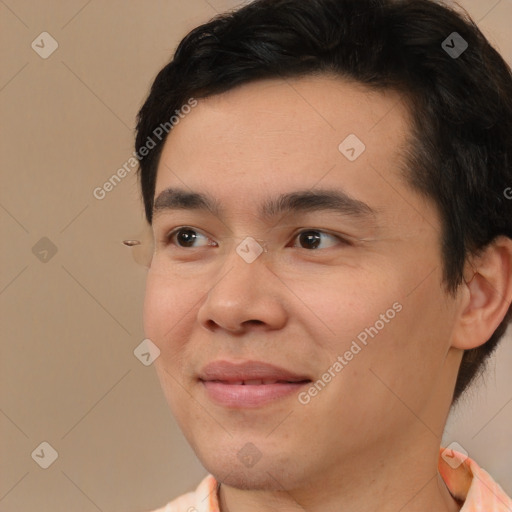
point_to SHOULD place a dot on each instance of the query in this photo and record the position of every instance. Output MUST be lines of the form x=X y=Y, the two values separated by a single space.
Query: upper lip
x=226 y=371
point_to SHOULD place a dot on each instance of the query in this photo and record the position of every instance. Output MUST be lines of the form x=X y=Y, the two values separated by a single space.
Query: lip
x=225 y=385
x=227 y=371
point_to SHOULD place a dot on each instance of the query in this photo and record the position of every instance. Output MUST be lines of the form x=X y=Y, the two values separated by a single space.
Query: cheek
x=344 y=304
x=398 y=332
x=409 y=354
x=153 y=311
x=164 y=307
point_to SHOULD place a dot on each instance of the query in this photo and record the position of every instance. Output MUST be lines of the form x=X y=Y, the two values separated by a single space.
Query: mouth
x=258 y=382
x=250 y=384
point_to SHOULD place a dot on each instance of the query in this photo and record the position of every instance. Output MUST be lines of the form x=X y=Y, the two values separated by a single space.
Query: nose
x=248 y=295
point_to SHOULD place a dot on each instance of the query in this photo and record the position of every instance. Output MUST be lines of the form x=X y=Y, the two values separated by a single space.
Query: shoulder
x=485 y=492
x=470 y=485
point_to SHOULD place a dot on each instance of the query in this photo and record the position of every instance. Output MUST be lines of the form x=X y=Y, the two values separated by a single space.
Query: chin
x=253 y=480
x=268 y=474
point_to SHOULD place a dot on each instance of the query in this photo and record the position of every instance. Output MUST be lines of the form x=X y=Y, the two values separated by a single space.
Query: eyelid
x=170 y=234
x=343 y=238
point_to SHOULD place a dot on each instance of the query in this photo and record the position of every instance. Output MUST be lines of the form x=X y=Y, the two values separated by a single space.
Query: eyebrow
x=300 y=201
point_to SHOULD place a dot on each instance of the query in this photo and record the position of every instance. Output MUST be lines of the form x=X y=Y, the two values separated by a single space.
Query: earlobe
x=486 y=296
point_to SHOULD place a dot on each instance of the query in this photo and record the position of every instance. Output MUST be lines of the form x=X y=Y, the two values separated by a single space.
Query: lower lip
x=243 y=395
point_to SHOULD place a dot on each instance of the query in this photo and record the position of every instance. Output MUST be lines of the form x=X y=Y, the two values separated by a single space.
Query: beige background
x=70 y=325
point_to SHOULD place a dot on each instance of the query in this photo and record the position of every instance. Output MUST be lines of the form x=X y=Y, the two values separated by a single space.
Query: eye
x=312 y=238
x=185 y=237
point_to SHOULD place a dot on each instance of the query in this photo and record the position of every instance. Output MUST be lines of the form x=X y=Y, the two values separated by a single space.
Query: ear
x=486 y=295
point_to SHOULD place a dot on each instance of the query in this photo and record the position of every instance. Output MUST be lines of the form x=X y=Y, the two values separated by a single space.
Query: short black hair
x=460 y=99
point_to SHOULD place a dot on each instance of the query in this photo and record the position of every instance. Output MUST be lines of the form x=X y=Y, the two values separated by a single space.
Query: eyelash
x=168 y=238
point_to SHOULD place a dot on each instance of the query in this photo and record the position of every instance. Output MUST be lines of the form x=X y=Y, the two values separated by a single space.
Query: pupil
x=183 y=238
x=310 y=235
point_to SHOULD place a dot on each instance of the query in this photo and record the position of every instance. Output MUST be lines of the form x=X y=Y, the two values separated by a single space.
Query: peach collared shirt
x=471 y=486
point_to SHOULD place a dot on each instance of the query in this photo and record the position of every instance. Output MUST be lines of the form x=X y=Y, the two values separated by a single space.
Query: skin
x=369 y=440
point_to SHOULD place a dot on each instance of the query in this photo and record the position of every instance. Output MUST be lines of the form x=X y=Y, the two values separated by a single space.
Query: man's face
x=370 y=300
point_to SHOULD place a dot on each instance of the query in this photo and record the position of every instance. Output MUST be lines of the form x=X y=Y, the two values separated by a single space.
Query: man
x=326 y=187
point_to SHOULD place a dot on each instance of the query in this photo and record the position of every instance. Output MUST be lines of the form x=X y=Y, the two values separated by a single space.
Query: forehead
x=285 y=135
